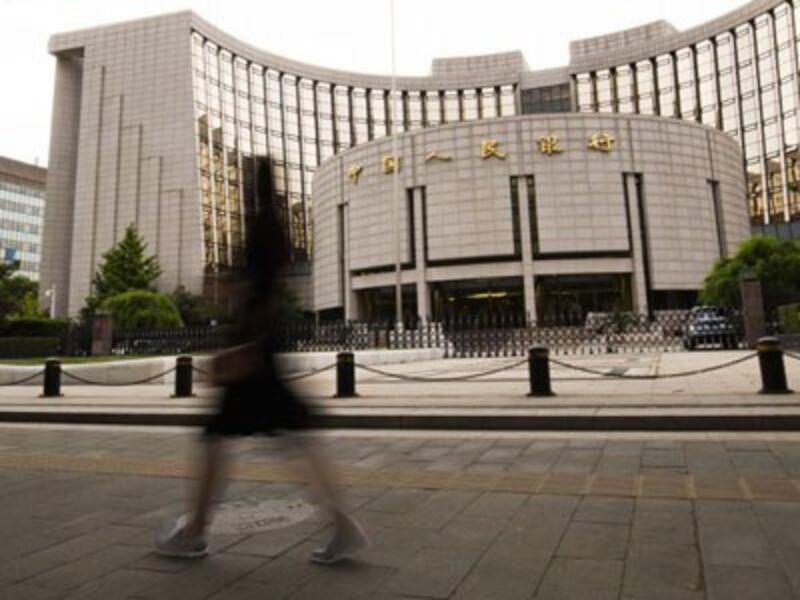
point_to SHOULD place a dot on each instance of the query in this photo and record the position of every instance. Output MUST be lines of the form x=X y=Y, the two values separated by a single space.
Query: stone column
x=637 y=251
x=752 y=309
x=528 y=268
x=423 y=292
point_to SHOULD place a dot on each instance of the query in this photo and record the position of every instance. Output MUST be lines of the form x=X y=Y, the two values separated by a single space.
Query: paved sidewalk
x=461 y=515
x=718 y=399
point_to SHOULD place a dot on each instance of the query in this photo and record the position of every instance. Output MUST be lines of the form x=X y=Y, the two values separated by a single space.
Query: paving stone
x=496 y=504
x=595 y=541
x=612 y=485
x=652 y=457
x=433 y=572
x=513 y=481
x=717 y=488
x=278 y=578
x=746 y=583
x=440 y=508
x=733 y=539
x=666 y=569
x=565 y=483
x=605 y=510
x=664 y=486
x=349 y=579
x=467 y=532
x=92 y=566
x=399 y=500
x=25 y=592
x=502 y=581
x=773 y=489
x=118 y=585
x=585 y=579
x=577 y=460
x=758 y=464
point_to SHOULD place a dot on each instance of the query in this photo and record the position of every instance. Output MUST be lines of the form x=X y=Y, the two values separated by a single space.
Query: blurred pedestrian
x=256 y=401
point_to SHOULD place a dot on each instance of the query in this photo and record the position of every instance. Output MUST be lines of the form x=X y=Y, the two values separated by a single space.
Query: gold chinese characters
x=354 y=172
x=489 y=149
x=390 y=163
x=602 y=142
x=549 y=145
x=435 y=155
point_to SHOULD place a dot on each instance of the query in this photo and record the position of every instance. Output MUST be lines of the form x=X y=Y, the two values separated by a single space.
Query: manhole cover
x=251 y=515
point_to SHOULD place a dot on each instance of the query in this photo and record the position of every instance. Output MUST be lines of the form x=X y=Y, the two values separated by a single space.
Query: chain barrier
x=310 y=373
x=792 y=355
x=24 y=380
x=441 y=379
x=603 y=375
x=137 y=382
x=201 y=371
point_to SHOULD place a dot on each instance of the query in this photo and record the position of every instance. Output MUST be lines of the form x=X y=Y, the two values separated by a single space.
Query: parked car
x=709 y=325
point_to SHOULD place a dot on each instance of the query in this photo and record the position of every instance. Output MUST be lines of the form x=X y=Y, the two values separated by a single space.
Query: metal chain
x=441 y=379
x=201 y=371
x=138 y=382
x=792 y=355
x=21 y=381
x=310 y=373
x=663 y=376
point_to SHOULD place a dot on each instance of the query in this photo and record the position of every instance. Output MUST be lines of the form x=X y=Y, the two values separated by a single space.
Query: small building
x=22 y=193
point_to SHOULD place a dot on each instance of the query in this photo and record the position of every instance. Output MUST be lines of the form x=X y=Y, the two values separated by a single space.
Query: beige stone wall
x=583 y=222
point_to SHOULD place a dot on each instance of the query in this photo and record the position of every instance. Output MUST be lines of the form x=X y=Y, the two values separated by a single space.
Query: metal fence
x=475 y=336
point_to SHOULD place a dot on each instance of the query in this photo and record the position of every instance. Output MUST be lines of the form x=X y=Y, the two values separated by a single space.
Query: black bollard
x=52 y=378
x=345 y=375
x=183 y=377
x=773 y=373
x=539 y=371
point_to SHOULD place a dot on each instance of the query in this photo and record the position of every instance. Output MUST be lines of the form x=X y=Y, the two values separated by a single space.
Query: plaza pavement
x=721 y=399
x=462 y=515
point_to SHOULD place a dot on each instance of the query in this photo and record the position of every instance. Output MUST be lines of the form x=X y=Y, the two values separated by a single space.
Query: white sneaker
x=345 y=543
x=172 y=541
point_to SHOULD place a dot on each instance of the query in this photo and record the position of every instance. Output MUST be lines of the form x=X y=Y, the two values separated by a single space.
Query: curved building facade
x=170 y=123
x=529 y=214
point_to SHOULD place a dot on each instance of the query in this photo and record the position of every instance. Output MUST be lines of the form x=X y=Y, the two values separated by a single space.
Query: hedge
x=36 y=328
x=29 y=347
x=790 y=317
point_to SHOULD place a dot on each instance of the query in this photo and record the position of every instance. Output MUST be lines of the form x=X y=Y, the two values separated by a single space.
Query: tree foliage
x=142 y=309
x=774 y=262
x=196 y=309
x=18 y=294
x=125 y=267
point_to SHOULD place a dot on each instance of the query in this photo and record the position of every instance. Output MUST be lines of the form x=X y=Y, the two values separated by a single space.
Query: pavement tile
x=435 y=512
x=565 y=483
x=733 y=539
x=465 y=532
x=278 y=578
x=433 y=572
x=399 y=500
x=612 y=485
x=93 y=566
x=518 y=482
x=666 y=569
x=599 y=541
x=665 y=486
x=117 y=585
x=773 y=489
x=718 y=488
x=585 y=579
x=495 y=504
x=605 y=510
x=502 y=581
x=746 y=583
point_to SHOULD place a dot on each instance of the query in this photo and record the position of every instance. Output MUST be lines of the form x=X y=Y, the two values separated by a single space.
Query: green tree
x=18 y=294
x=142 y=309
x=124 y=267
x=196 y=309
x=774 y=262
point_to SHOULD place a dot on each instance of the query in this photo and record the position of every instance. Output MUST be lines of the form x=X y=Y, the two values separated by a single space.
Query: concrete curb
x=457 y=422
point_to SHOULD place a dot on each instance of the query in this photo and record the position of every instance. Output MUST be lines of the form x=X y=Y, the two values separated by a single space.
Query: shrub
x=142 y=309
x=35 y=327
x=29 y=347
x=790 y=317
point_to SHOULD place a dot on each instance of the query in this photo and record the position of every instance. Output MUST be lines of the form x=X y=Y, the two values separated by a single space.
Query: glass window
x=586 y=101
x=707 y=82
x=470 y=100
x=325 y=120
x=433 y=108
x=786 y=75
x=667 y=98
x=377 y=107
x=625 y=91
x=452 y=110
x=755 y=196
x=489 y=108
x=415 y=120
x=686 y=84
x=507 y=101
x=395 y=104
x=728 y=86
x=308 y=123
x=341 y=102
x=646 y=87
x=605 y=94
x=360 y=115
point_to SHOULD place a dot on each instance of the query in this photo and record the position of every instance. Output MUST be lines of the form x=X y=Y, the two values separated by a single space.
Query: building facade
x=170 y=123
x=550 y=216
x=22 y=206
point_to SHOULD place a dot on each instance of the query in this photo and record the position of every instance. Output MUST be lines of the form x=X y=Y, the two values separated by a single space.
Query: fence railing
x=494 y=335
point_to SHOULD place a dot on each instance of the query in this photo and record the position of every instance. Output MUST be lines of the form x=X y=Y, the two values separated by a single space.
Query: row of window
x=743 y=82
x=10 y=225
x=244 y=109
x=17 y=199
x=18 y=245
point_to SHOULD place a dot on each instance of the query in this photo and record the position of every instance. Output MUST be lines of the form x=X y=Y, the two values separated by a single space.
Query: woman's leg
x=213 y=464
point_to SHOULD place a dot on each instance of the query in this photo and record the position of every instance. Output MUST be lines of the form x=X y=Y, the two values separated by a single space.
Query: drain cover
x=252 y=515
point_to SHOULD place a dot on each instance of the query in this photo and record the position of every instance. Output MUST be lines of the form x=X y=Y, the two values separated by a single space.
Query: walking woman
x=256 y=401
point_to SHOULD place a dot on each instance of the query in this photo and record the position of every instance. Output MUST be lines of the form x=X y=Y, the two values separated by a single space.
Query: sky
x=344 y=34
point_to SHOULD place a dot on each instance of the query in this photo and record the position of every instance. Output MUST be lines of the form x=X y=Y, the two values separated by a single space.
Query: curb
x=455 y=422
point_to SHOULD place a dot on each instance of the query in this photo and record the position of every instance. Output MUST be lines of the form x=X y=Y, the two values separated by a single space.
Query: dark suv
x=709 y=325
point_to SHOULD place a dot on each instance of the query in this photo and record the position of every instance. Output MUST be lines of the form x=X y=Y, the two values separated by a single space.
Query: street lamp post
x=398 y=293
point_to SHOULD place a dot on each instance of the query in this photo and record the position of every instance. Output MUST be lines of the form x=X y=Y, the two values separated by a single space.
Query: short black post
x=773 y=373
x=183 y=377
x=539 y=371
x=345 y=375
x=52 y=378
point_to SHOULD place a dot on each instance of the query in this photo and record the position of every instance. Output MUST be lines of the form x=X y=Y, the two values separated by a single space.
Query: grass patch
x=74 y=360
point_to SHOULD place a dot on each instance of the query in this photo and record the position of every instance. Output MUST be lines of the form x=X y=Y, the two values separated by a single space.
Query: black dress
x=261 y=403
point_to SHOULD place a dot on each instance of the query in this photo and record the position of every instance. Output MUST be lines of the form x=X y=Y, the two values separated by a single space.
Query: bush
x=790 y=317
x=142 y=309
x=29 y=347
x=52 y=328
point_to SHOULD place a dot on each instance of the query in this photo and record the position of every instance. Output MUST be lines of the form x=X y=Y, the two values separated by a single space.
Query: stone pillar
x=423 y=292
x=528 y=268
x=752 y=309
x=101 y=334
x=637 y=251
